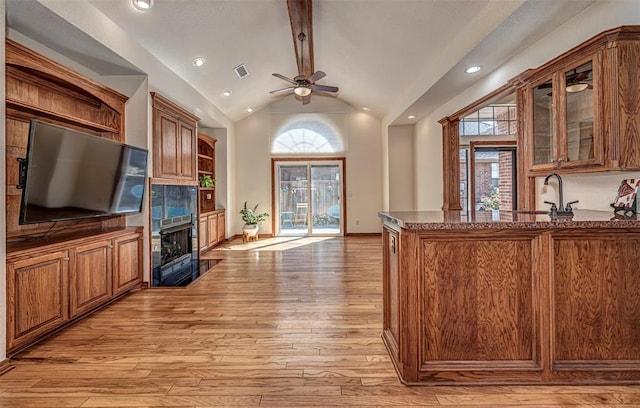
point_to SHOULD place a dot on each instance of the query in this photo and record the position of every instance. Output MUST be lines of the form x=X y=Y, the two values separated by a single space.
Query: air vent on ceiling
x=241 y=71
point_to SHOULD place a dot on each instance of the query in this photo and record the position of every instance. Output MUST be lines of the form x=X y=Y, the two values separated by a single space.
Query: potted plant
x=206 y=181
x=251 y=219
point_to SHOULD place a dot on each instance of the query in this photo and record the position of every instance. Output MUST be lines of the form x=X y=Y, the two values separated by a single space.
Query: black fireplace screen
x=175 y=243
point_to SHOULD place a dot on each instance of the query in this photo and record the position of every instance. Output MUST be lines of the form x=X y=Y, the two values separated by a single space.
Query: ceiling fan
x=302 y=30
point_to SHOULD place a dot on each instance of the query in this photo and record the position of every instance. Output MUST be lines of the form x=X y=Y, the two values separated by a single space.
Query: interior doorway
x=308 y=197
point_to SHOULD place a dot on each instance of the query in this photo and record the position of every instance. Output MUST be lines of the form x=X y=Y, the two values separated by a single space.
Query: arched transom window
x=306 y=137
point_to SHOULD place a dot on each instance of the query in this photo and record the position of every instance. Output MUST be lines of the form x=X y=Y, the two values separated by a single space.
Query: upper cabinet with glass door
x=579 y=109
x=564 y=113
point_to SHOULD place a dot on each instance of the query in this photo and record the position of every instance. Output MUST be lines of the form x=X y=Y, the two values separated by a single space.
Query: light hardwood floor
x=277 y=323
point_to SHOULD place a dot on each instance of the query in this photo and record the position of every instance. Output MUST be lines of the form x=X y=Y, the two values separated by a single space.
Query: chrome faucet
x=561 y=209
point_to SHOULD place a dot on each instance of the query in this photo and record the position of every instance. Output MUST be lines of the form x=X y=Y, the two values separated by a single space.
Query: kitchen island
x=512 y=297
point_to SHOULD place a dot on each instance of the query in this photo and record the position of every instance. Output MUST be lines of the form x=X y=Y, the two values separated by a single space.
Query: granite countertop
x=442 y=220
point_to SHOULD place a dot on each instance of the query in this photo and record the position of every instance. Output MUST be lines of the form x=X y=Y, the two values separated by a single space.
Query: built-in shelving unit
x=212 y=221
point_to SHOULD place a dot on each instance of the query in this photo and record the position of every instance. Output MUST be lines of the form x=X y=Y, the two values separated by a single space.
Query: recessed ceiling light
x=473 y=69
x=249 y=110
x=198 y=62
x=411 y=117
x=142 y=5
x=365 y=108
x=227 y=93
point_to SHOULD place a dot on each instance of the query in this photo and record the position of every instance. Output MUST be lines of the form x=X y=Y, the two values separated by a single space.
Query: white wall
x=3 y=176
x=401 y=168
x=363 y=159
x=603 y=15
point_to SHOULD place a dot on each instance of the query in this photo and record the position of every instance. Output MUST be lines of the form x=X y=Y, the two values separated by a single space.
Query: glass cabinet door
x=543 y=132
x=580 y=108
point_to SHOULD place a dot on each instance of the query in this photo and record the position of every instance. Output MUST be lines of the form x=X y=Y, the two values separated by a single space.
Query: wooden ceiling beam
x=301 y=19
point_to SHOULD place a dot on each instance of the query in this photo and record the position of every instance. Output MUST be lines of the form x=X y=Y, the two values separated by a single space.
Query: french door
x=308 y=197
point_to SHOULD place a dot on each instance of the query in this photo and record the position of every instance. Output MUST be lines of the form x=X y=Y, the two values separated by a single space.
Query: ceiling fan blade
x=284 y=78
x=290 y=88
x=316 y=76
x=324 y=88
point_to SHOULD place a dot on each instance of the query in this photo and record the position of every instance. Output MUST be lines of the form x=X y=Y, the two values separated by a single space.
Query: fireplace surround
x=174 y=235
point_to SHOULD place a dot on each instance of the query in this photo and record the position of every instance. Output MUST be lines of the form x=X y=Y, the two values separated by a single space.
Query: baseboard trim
x=5 y=367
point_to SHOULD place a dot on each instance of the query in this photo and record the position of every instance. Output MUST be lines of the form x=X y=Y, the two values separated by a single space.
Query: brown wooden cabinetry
x=51 y=282
x=174 y=135
x=37 y=296
x=127 y=263
x=212 y=229
x=90 y=276
x=520 y=300
x=206 y=167
x=578 y=109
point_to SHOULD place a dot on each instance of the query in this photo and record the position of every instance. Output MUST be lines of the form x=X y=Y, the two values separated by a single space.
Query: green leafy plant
x=490 y=202
x=206 y=181
x=251 y=216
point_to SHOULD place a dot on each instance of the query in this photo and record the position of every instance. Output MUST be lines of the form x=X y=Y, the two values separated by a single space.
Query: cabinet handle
x=393 y=244
x=66 y=258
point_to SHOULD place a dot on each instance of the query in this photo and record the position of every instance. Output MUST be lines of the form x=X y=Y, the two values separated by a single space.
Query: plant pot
x=251 y=229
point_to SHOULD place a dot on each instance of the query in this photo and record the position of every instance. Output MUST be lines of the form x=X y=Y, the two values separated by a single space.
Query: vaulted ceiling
x=396 y=57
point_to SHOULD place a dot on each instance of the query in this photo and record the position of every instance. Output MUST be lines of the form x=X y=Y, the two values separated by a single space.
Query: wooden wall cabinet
x=174 y=136
x=578 y=109
x=40 y=88
x=53 y=282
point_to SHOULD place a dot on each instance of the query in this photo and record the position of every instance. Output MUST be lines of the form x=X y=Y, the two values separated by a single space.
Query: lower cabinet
x=127 y=263
x=48 y=285
x=37 y=296
x=211 y=229
x=90 y=276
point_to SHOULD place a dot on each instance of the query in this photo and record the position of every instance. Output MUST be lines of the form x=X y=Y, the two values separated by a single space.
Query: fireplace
x=174 y=235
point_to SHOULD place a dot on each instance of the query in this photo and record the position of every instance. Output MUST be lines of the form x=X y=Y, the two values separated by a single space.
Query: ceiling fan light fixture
x=302 y=91
x=142 y=5
x=577 y=87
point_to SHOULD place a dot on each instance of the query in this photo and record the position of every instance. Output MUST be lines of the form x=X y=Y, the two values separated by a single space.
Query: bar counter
x=512 y=297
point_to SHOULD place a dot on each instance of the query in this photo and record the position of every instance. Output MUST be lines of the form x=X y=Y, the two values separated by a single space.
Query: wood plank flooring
x=278 y=323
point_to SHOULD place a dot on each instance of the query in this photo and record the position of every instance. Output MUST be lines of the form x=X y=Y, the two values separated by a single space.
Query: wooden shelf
x=206 y=166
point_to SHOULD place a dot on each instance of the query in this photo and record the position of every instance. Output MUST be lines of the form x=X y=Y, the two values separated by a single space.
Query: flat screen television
x=69 y=175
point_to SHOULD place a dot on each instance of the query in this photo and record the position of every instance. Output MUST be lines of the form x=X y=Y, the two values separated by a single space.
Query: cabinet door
x=221 y=227
x=186 y=157
x=37 y=299
x=543 y=138
x=203 y=236
x=90 y=283
x=579 y=114
x=127 y=263
x=212 y=221
x=167 y=146
x=391 y=300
